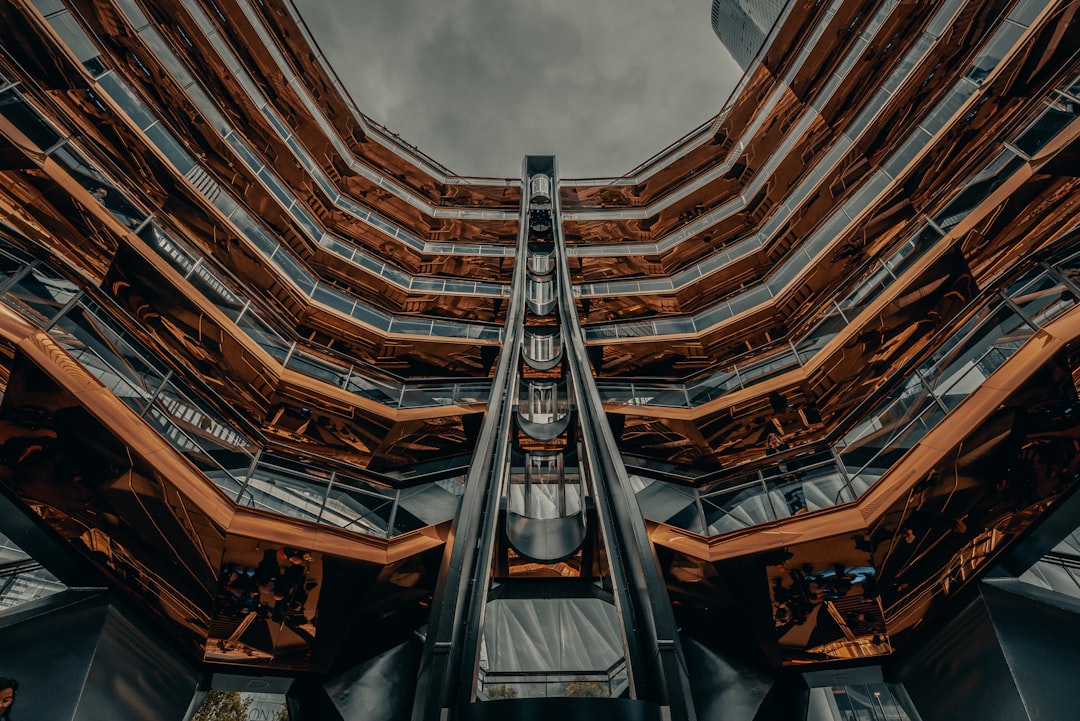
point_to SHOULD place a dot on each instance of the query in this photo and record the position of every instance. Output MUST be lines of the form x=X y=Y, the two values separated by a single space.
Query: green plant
x=223 y=706
x=496 y=693
x=587 y=689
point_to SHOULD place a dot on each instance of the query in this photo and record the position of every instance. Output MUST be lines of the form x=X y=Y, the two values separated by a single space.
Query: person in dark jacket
x=8 y=688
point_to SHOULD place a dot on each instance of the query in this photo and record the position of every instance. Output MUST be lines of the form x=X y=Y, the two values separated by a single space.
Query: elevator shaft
x=550 y=586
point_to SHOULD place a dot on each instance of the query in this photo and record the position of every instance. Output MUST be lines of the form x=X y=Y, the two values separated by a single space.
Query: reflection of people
x=796 y=500
x=282 y=575
x=775 y=444
x=8 y=688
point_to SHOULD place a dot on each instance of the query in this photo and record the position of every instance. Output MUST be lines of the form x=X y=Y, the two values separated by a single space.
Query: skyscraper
x=783 y=424
x=743 y=25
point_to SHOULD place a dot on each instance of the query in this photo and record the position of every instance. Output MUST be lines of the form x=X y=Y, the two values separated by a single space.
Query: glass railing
x=351 y=377
x=1058 y=570
x=233 y=458
x=22 y=579
x=915 y=56
x=919 y=139
x=142 y=117
x=75 y=162
x=1046 y=298
x=202 y=101
x=812 y=479
x=776 y=156
x=769 y=361
x=45 y=297
x=974 y=190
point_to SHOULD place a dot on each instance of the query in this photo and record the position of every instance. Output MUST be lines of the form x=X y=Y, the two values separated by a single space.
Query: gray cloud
x=477 y=84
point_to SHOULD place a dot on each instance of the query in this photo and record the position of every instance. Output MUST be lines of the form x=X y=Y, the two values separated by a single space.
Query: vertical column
x=452 y=639
x=655 y=658
x=80 y=655
x=550 y=600
x=1010 y=653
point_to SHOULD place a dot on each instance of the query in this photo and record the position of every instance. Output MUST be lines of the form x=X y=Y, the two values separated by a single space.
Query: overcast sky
x=477 y=84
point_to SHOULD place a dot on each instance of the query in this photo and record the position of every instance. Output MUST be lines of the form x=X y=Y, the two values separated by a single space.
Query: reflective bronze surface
x=251 y=341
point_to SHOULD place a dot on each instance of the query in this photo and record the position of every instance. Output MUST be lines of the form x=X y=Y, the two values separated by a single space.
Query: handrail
x=656 y=667
x=451 y=650
x=897 y=481
x=47 y=355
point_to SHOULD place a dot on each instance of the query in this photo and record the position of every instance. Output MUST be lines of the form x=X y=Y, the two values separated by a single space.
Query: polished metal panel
x=656 y=668
x=23 y=531
x=109 y=502
x=249 y=338
x=380 y=689
x=541 y=294
x=723 y=688
x=545 y=511
x=50 y=648
x=546 y=430
x=1002 y=657
x=289 y=609
x=540 y=189
x=541 y=259
x=136 y=674
x=446 y=677
x=1040 y=639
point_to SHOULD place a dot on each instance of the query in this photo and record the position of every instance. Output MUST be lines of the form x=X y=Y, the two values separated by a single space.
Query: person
x=774 y=444
x=8 y=688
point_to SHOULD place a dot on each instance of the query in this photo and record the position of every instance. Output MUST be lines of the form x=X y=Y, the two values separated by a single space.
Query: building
x=743 y=26
x=780 y=425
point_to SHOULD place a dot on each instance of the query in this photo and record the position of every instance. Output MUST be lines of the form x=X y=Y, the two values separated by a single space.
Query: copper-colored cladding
x=140 y=509
x=102 y=129
x=1043 y=351
x=44 y=223
x=347 y=426
x=886 y=562
x=98 y=223
x=178 y=316
x=735 y=426
x=288 y=100
x=90 y=221
x=802 y=404
x=63 y=378
x=102 y=478
x=1008 y=93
